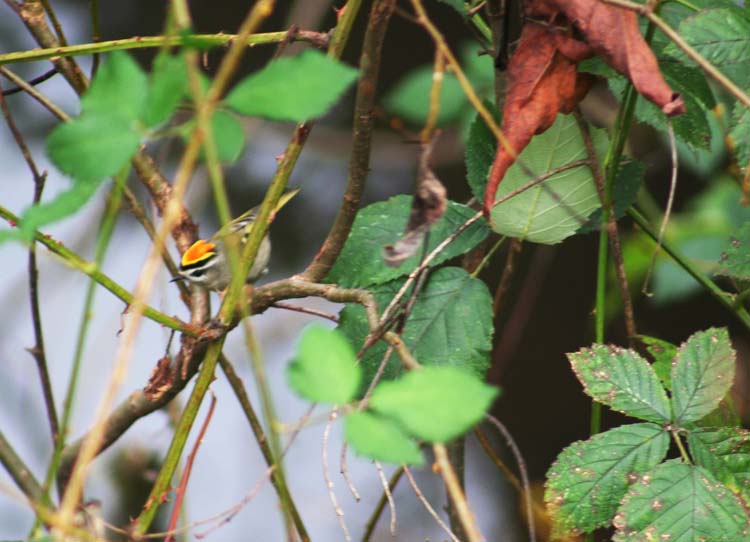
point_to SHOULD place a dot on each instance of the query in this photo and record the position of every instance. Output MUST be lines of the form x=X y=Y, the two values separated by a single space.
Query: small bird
x=206 y=262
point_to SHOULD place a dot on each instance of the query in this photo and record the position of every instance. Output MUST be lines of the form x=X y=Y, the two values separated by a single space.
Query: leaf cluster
x=619 y=477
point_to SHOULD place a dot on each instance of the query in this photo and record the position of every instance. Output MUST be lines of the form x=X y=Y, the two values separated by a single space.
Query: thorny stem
x=149 y=42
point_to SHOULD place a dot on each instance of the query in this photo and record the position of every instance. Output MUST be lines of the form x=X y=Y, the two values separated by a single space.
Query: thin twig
x=668 y=209
x=38 y=350
x=528 y=498
x=329 y=480
x=277 y=479
x=373 y=521
x=34 y=93
x=345 y=473
x=428 y=506
x=306 y=310
x=180 y=493
x=514 y=249
x=31 y=82
x=389 y=496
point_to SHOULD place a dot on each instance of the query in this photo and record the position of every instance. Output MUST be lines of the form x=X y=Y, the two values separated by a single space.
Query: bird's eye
x=198 y=272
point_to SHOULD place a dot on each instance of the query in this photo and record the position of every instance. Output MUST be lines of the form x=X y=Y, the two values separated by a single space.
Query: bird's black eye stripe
x=198 y=272
x=194 y=265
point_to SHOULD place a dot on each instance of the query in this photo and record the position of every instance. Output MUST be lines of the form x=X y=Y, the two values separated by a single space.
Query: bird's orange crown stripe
x=198 y=251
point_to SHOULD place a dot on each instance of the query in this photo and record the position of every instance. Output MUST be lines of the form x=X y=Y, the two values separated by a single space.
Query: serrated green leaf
x=450 y=324
x=167 y=85
x=725 y=453
x=702 y=374
x=624 y=193
x=740 y=134
x=692 y=127
x=680 y=503
x=436 y=404
x=92 y=146
x=229 y=136
x=663 y=353
x=381 y=439
x=119 y=88
x=325 y=369
x=722 y=37
x=588 y=478
x=735 y=260
x=555 y=209
x=361 y=261
x=294 y=89
x=623 y=380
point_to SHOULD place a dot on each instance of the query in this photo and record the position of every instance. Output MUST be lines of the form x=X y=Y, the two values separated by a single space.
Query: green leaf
x=63 y=205
x=119 y=88
x=701 y=375
x=663 y=353
x=740 y=134
x=680 y=503
x=450 y=324
x=409 y=98
x=555 y=209
x=588 y=478
x=692 y=127
x=735 y=260
x=622 y=380
x=725 y=453
x=325 y=369
x=294 y=89
x=480 y=152
x=166 y=88
x=721 y=36
x=624 y=193
x=436 y=404
x=361 y=261
x=92 y=146
x=229 y=136
x=380 y=439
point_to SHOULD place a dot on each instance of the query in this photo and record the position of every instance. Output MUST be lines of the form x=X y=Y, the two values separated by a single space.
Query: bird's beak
x=177 y=278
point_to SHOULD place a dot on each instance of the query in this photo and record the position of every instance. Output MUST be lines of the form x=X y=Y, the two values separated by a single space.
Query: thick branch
x=359 y=162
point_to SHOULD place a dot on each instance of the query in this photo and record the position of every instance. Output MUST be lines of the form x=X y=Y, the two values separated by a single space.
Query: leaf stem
x=680 y=259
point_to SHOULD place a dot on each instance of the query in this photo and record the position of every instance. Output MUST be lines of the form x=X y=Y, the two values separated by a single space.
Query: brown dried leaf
x=612 y=32
x=542 y=82
x=428 y=205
